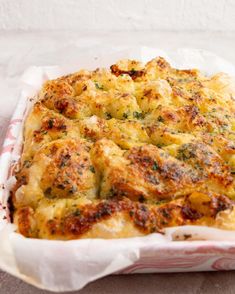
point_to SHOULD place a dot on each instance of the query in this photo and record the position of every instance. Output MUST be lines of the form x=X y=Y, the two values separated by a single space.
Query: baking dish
x=60 y=265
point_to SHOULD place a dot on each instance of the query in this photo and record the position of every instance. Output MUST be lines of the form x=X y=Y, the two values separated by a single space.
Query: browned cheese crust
x=127 y=151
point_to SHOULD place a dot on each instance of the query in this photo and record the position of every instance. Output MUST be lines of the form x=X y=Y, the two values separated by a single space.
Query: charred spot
x=172 y=171
x=106 y=209
x=196 y=97
x=52 y=226
x=186 y=151
x=54 y=123
x=87 y=148
x=231 y=146
x=192 y=110
x=113 y=192
x=64 y=160
x=141 y=199
x=147 y=92
x=171 y=116
x=50 y=123
x=48 y=193
x=77 y=212
x=60 y=186
x=81 y=222
x=11 y=206
x=190 y=214
x=53 y=149
x=38 y=135
x=108 y=115
x=160 y=119
x=190 y=72
x=162 y=63
x=141 y=216
x=61 y=105
x=27 y=163
x=24 y=221
x=73 y=190
x=187 y=236
x=137 y=157
x=221 y=203
x=21 y=179
x=166 y=213
x=152 y=179
x=134 y=74
x=66 y=106
x=84 y=87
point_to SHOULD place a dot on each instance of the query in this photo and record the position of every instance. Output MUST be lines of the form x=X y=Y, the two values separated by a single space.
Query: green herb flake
x=155 y=166
x=108 y=115
x=125 y=115
x=27 y=163
x=160 y=119
x=131 y=213
x=159 y=202
x=92 y=169
x=48 y=194
x=50 y=123
x=153 y=230
x=98 y=86
x=77 y=212
x=133 y=71
x=137 y=115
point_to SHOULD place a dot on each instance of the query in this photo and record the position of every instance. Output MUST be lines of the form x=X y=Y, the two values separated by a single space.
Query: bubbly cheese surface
x=127 y=151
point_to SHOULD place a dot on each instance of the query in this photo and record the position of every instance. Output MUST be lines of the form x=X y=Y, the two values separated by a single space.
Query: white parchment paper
x=70 y=265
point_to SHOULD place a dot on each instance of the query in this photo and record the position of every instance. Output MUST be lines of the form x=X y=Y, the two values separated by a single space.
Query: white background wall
x=118 y=15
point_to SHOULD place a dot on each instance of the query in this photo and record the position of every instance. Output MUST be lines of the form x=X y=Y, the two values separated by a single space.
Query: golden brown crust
x=81 y=219
x=127 y=152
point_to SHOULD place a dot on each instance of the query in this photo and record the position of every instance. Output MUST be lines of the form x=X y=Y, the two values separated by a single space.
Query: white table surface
x=19 y=50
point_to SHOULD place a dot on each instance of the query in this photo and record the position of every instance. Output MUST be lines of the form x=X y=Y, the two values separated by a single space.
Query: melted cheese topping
x=127 y=151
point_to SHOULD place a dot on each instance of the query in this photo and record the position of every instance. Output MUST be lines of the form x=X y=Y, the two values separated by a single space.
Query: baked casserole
x=127 y=151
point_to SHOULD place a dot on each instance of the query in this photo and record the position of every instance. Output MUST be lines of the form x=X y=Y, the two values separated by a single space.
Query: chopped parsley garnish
x=98 y=86
x=108 y=115
x=159 y=202
x=92 y=169
x=155 y=166
x=160 y=145
x=160 y=119
x=131 y=213
x=77 y=212
x=48 y=193
x=137 y=114
x=125 y=115
x=186 y=152
x=64 y=160
x=27 y=163
x=50 y=123
x=133 y=71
